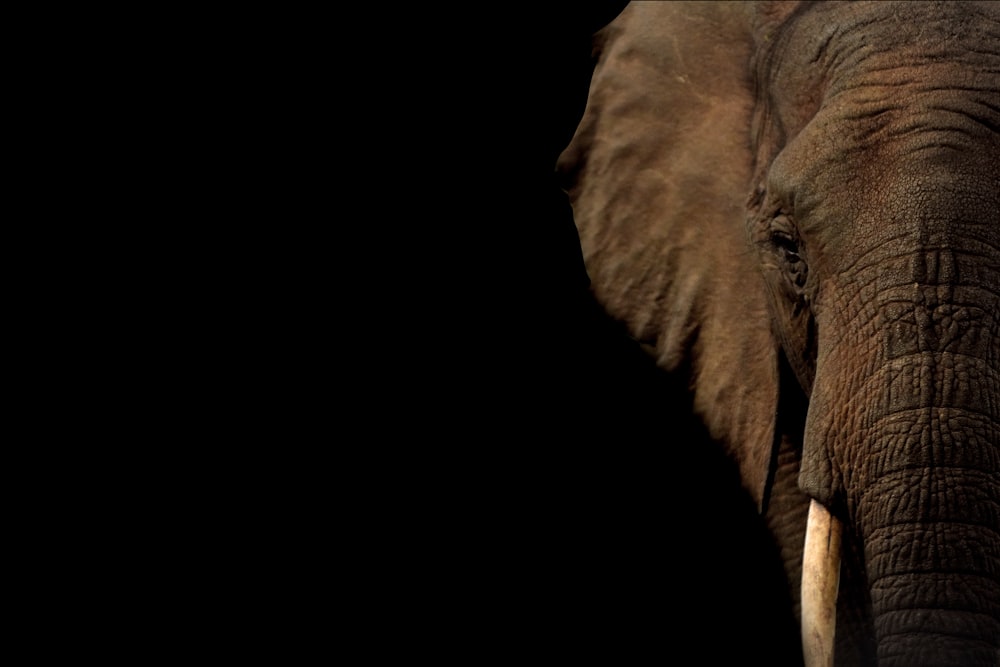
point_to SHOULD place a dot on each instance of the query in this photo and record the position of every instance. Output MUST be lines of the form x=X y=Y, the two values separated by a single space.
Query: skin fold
x=797 y=205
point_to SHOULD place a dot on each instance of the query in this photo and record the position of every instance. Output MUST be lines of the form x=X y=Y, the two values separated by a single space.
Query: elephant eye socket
x=787 y=249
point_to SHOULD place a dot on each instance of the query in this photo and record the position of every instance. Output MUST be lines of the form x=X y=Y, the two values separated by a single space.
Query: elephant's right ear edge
x=658 y=173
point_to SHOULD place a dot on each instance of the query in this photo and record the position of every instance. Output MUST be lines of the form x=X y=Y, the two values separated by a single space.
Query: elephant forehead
x=943 y=112
x=903 y=217
x=891 y=73
x=846 y=35
x=925 y=173
x=941 y=199
x=862 y=92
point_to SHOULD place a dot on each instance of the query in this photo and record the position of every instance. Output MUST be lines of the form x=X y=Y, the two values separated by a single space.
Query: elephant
x=796 y=206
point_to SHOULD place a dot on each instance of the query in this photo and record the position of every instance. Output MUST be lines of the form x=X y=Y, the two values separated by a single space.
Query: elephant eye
x=786 y=246
x=787 y=249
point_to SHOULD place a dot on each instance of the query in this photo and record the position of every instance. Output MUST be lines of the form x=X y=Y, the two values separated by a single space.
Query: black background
x=510 y=476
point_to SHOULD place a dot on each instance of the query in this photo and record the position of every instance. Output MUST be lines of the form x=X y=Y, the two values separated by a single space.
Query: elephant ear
x=659 y=174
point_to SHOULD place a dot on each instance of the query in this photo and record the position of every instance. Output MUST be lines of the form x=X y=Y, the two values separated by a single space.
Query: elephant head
x=798 y=205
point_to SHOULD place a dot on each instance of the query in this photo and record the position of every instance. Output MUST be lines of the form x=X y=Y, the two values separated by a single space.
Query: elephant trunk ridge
x=932 y=553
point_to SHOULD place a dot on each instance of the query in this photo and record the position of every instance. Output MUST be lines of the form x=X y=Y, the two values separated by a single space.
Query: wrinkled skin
x=799 y=204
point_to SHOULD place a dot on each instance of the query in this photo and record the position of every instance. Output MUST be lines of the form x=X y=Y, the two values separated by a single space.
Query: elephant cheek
x=819 y=475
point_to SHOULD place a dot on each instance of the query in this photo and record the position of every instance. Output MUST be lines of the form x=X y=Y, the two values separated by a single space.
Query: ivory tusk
x=820 y=583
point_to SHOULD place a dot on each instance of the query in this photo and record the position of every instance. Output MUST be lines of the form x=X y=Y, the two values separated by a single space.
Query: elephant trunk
x=906 y=450
x=924 y=484
x=932 y=552
x=931 y=540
